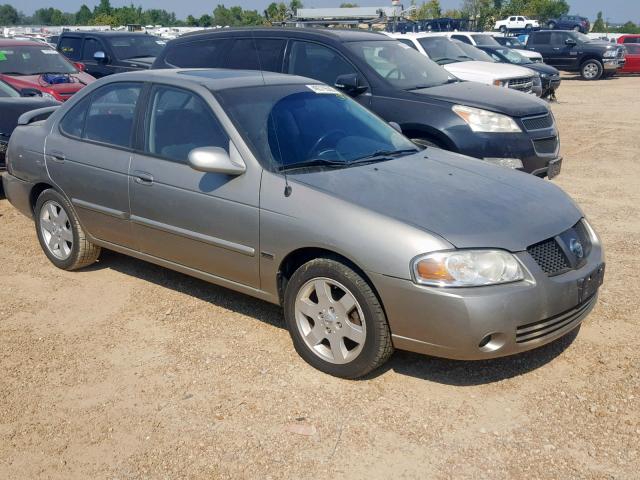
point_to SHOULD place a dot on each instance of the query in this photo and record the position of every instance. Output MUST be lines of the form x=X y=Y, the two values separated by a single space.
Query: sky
x=613 y=10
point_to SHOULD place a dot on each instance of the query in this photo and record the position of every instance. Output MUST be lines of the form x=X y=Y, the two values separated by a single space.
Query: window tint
x=202 y=54
x=91 y=46
x=73 y=122
x=543 y=38
x=408 y=42
x=180 y=121
x=462 y=38
x=632 y=40
x=242 y=55
x=70 y=47
x=110 y=116
x=271 y=51
x=558 y=38
x=318 y=62
x=633 y=48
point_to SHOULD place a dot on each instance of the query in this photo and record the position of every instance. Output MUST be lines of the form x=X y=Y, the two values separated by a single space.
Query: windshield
x=485 y=40
x=473 y=52
x=136 y=46
x=512 y=56
x=7 y=91
x=442 y=50
x=400 y=65
x=290 y=125
x=33 y=60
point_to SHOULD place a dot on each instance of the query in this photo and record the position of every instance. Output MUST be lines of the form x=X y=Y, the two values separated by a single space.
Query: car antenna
x=287 y=187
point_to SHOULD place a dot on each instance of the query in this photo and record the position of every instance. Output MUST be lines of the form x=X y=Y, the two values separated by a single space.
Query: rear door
x=204 y=221
x=88 y=157
x=541 y=42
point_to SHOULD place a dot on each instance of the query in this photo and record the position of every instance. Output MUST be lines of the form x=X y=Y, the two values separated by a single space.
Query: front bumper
x=612 y=64
x=452 y=322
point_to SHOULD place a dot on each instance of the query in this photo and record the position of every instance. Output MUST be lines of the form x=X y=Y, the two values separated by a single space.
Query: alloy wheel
x=590 y=70
x=330 y=320
x=55 y=228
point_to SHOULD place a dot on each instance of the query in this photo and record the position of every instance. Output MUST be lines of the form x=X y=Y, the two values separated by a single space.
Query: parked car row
x=285 y=188
x=564 y=22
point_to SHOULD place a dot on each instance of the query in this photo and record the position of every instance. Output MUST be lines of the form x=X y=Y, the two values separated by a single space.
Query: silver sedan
x=289 y=191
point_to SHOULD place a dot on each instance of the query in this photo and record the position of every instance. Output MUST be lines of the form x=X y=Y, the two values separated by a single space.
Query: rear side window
x=242 y=55
x=543 y=38
x=633 y=48
x=201 y=54
x=70 y=47
x=271 y=51
x=178 y=122
x=632 y=40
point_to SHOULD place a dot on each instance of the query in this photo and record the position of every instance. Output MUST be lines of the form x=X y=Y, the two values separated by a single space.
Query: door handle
x=143 y=178
x=57 y=156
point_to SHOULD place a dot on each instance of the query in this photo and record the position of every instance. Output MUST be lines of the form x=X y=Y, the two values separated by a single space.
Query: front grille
x=546 y=146
x=549 y=256
x=538 y=123
x=521 y=84
x=543 y=328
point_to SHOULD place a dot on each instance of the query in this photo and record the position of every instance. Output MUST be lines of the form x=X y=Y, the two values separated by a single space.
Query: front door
x=565 y=55
x=89 y=48
x=89 y=156
x=204 y=221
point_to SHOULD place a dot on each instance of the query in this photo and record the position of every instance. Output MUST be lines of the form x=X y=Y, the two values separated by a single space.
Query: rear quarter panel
x=26 y=153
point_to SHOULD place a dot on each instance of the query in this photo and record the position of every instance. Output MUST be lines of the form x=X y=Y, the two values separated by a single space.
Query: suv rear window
x=200 y=54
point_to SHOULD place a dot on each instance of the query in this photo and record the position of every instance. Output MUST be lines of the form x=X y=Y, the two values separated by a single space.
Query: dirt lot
x=127 y=370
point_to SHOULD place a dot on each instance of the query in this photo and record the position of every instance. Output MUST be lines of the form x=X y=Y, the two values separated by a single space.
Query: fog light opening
x=491 y=342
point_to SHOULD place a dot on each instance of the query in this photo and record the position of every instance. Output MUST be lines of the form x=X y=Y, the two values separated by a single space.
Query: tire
x=551 y=25
x=528 y=27
x=577 y=29
x=347 y=342
x=424 y=143
x=591 y=70
x=503 y=29
x=58 y=226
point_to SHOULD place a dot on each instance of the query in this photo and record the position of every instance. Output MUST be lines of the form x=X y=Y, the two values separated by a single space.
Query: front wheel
x=503 y=29
x=576 y=28
x=591 y=70
x=551 y=25
x=60 y=234
x=335 y=320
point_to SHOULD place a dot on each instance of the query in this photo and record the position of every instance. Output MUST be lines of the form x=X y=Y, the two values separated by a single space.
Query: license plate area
x=554 y=167
x=589 y=285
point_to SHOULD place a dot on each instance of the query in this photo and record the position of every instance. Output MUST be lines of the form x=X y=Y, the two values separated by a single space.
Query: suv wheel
x=503 y=29
x=591 y=70
x=552 y=25
x=60 y=234
x=576 y=28
x=336 y=321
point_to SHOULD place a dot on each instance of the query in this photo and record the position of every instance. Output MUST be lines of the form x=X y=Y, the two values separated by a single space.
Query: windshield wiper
x=316 y=162
x=383 y=155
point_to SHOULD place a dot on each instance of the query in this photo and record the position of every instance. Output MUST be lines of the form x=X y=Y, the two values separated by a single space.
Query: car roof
x=9 y=42
x=215 y=79
x=340 y=35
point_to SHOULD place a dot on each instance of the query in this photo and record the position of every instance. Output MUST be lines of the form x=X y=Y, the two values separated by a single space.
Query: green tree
x=205 y=20
x=629 y=27
x=349 y=5
x=104 y=19
x=8 y=15
x=276 y=12
x=428 y=10
x=598 y=25
x=191 y=21
x=103 y=8
x=83 y=16
x=294 y=5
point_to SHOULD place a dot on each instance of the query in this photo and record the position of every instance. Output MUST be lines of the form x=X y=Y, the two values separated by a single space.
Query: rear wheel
x=336 y=321
x=503 y=29
x=591 y=70
x=60 y=234
x=551 y=25
x=576 y=28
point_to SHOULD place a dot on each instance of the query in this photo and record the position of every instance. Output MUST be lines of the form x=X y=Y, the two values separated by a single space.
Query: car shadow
x=440 y=370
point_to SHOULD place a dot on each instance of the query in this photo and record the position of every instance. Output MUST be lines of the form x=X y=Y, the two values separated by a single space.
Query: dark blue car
x=570 y=22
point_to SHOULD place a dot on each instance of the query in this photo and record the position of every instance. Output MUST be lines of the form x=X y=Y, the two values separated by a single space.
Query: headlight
x=486 y=121
x=466 y=268
x=544 y=75
x=48 y=96
x=610 y=54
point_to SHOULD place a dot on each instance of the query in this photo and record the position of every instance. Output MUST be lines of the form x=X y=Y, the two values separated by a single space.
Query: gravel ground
x=127 y=370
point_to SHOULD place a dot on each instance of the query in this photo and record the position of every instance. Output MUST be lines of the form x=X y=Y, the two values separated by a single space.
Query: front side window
x=73 y=122
x=288 y=125
x=91 y=46
x=110 y=116
x=70 y=47
x=33 y=60
x=317 y=62
x=179 y=121
x=400 y=66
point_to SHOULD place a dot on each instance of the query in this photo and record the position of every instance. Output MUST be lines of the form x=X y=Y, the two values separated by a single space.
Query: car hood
x=528 y=53
x=142 y=62
x=543 y=68
x=12 y=108
x=488 y=69
x=81 y=79
x=487 y=97
x=468 y=202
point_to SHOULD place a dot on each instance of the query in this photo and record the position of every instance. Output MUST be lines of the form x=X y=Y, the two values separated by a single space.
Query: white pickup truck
x=516 y=23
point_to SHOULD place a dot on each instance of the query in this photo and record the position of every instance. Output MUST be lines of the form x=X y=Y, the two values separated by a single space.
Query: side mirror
x=350 y=84
x=570 y=42
x=30 y=92
x=215 y=160
x=100 y=56
x=396 y=127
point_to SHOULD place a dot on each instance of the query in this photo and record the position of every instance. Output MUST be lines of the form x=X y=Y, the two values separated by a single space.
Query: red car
x=632 y=44
x=36 y=69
